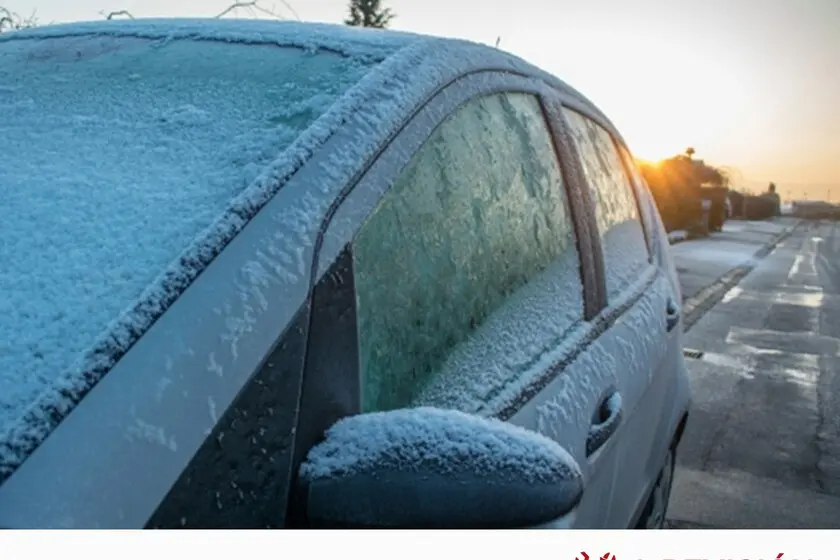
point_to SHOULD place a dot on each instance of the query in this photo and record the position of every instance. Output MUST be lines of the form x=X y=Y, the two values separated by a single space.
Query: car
x=281 y=274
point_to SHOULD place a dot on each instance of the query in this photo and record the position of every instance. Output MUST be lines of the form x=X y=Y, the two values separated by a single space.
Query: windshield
x=117 y=153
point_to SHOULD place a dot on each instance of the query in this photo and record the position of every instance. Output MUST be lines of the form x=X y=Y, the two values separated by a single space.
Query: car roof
x=395 y=54
x=377 y=44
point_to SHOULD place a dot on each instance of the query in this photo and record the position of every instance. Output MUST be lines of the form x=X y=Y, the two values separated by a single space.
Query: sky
x=752 y=85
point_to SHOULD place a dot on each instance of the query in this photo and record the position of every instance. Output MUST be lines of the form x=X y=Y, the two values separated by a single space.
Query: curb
x=699 y=304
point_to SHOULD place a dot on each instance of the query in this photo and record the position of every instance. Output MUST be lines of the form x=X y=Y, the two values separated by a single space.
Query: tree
x=369 y=13
x=678 y=185
x=11 y=21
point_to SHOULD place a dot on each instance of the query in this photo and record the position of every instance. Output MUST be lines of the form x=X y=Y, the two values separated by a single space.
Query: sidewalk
x=701 y=262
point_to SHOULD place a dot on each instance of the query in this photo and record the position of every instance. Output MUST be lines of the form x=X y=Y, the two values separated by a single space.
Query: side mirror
x=433 y=468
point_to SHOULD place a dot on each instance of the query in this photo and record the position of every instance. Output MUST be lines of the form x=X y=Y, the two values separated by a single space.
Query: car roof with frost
x=407 y=69
x=372 y=44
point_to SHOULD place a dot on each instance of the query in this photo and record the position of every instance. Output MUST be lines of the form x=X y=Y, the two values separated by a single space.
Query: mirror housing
x=434 y=468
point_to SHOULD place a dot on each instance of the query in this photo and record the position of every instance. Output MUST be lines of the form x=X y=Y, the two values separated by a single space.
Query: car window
x=478 y=216
x=616 y=210
x=127 y=153
x=643 y=196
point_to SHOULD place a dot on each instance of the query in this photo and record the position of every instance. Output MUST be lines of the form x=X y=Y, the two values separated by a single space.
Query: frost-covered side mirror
x=432 y=468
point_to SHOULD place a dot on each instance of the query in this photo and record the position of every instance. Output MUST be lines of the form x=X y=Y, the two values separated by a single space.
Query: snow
x=616 y=210
x=375 y=106
x=441 y=441
x=373 y=45
x=134 y=162
x=624 y=358
x=626 y=256
x=469 y=225
x=514 y=343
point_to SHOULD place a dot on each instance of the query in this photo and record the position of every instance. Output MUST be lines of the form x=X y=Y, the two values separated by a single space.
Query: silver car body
x=173 y=402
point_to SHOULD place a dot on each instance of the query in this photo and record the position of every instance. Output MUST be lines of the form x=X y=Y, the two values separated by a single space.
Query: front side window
x=478 y=215
x=616 y=211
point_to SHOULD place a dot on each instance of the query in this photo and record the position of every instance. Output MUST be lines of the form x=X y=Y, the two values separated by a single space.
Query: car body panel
x=121 y=455
x=578 y=378
x=115 y=455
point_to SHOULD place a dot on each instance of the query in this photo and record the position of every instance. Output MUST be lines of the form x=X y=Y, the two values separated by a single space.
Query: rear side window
x=644 y=198
x=616 y=211
x=476 y=219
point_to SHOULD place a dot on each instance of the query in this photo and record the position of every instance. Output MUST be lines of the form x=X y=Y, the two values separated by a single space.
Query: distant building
x=815 y=210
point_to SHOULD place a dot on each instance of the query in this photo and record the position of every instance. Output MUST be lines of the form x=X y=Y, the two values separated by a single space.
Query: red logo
x=585 y=556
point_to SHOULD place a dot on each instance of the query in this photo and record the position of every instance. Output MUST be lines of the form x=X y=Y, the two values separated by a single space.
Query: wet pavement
x=762 y=447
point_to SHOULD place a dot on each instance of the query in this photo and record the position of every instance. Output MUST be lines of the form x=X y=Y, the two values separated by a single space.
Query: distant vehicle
x=270 y=274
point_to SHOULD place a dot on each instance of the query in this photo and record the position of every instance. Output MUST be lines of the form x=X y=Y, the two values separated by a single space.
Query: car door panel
x=563 y=411
x=639 y=340
x=492 y=391
x=635 y=308
x=672 y=374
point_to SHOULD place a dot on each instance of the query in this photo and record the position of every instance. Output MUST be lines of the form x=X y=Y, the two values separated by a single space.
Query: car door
x=638 y=316
x=468 y=254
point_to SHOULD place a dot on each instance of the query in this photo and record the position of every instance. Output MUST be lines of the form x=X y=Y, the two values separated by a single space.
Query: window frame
x=363 y=194
x=607 y=313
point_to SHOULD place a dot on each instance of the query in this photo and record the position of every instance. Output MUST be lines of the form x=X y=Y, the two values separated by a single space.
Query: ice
x=348 y=41
x=625 y=256
x=616 y=209
x=68 y=317
x=626 y=358
x=133 y=163
x=510 y=348
x=470 y=213
x=443 y=441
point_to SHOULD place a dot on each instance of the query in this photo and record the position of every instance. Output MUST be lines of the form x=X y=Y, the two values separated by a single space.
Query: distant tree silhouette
x=369 y=13
x=690 y=151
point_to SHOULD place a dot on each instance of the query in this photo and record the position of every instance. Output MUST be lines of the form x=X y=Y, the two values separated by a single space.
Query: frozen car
x=262 y=274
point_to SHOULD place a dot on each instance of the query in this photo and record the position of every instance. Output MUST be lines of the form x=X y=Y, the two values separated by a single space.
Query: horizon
x=749 y=84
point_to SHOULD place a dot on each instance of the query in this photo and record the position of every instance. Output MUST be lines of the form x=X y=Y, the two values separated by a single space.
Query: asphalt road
x=703 y=261
x=762 y=447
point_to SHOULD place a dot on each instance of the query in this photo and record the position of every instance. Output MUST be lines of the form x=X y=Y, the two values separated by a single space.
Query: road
x=701 y=262
x=762 y=447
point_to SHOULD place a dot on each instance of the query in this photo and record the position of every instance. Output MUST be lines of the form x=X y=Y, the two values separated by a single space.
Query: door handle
x=672 y=315
x=605 y=422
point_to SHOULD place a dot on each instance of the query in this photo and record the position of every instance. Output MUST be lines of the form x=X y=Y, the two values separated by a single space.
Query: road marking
x=803 y=287
x=770 y=340
x=812 y=296
x=806 y=259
